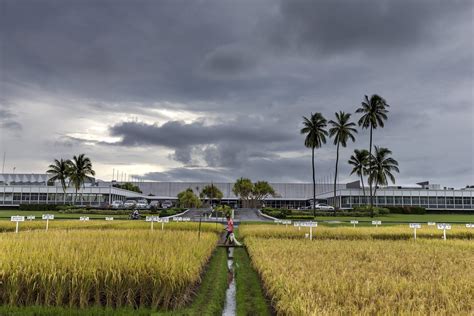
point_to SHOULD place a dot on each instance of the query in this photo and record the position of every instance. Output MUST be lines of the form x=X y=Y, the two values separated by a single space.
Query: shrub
x=407 y=209
x=38 y=207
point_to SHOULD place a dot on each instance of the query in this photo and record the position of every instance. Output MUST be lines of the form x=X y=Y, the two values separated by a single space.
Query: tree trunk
x=335 y=178
x=370 y=172
x=362 y=181
x=314 y=183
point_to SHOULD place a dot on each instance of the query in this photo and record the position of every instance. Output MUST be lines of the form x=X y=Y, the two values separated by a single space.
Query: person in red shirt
x=229 y=229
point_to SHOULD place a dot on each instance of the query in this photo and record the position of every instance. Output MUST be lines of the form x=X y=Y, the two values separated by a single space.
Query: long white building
x=16 y=189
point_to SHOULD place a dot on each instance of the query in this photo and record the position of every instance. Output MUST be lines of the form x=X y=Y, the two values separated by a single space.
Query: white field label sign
x=109 y=218
x=47 y=216
x=415 y=226
x=469 y=225
x=30 y=217
x=286 y=222
x=376 y=223
x=354 y=222
x=444 y=226
x=309 y=224
x=17 y=218
x=83 y=218
x=431 y=223
x=278 y=221
x=152 y=218
x=181 y=219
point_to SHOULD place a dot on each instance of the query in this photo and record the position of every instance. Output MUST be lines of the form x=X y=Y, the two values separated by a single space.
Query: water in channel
x=230 y=302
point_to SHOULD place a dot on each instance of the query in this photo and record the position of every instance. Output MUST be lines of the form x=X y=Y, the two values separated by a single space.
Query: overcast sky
x=214 y=90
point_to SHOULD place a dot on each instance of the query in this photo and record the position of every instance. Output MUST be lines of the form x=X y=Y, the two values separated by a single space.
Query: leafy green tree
x=383 y=167
x=360 y=162
x=211 y=192
x=314 y=129
x=128 y=186
x=60 y=172
x=80 y=171
x=342 y=130
x=374 y=113
x=262 y=190
x=243 y=188
x=187 y=198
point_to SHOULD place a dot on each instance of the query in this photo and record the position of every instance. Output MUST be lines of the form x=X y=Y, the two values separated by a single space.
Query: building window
x=381 y=200
x=450 y=202
x=389 y=200
x=406 y=200
x=441 y=201
x=25 y=197
x=415 y=200
x=467 y=202
x=398 y=200
x=423 y=200
x=458 y=202
x=432 y=200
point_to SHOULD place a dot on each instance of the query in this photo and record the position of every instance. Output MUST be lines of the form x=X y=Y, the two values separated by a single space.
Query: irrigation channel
x=230 y=297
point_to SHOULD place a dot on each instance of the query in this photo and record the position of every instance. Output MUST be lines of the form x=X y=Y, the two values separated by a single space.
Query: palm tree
x=314 y=128
x=374 y=113
x=360 y=161
x=60 y=171
x=81 y=170
x=342 y=130
x=382 y=167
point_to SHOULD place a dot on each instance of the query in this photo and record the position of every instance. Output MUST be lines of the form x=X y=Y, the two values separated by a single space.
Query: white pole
x=162 y=225
x=16 y=230
x=415 y=233
x=444 y=234
x=151 y=225
x=47 y=223
x=311 y=233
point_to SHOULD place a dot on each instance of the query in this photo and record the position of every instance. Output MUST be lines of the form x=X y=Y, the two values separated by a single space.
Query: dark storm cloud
x=341 y=27
x=175 y=134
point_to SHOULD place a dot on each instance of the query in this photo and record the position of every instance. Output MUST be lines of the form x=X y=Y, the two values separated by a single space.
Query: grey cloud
x=8 y=120
x=374 y=28
x=176 y=134
x=229 y=62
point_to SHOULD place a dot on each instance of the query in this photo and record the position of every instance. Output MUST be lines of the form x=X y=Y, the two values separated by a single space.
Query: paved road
x=241 y=215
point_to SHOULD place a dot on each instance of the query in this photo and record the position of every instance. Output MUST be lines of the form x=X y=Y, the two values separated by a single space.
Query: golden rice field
x=7 y=226
x=370 y=277
x=399 y=232
x=113 y=268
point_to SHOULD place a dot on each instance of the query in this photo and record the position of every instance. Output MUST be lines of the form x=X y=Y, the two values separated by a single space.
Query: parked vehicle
x=154 y=205
x=142 y=204
x=129 y=204
x=117 y=204
x=166 y=204
x=324 y=207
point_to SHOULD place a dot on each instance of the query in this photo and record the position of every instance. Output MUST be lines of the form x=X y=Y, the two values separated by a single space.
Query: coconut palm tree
x=374 y=114
x=360 y=161
x=342 y=130
x=81 y=170
x=382 y=167
x=60 y=172
x=314 y=129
